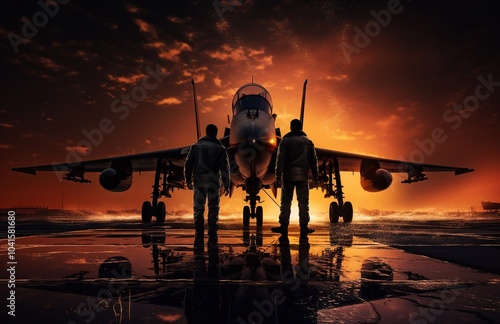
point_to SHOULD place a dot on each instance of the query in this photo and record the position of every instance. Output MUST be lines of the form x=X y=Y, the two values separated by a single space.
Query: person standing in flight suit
x=207 y=164
x=296 y=156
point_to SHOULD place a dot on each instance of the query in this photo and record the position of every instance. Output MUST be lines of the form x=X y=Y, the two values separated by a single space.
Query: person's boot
x=304 y=230
x=282 y=229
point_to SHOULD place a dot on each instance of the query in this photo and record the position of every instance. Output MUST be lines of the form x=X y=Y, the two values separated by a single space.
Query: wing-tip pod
x=25 y=170
x=463 y=171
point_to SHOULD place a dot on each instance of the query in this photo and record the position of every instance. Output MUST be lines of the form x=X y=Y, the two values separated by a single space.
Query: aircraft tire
x=146 y=212
x=347 y=212
x=246 y=216
x=161 y=212
x=146 y=240
x=334 y=212
x=259 y=216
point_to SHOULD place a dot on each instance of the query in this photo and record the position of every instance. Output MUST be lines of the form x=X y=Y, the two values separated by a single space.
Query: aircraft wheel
x=246 y=236
x=334 y=212
x=347 y=212
x=259 y=215
x=147 y=212
x=161 y=212
x=146 y=240
x=246 y=216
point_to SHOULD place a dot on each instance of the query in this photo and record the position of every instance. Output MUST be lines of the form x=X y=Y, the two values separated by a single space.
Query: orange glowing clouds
x=169 y=101
x=385 y=100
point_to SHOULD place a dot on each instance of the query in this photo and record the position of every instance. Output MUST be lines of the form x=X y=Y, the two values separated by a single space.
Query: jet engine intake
x=374 y=178
x=118 y=177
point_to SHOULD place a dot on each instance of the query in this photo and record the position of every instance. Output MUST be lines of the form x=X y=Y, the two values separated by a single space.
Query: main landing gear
x=157 y=208
x=338 y=208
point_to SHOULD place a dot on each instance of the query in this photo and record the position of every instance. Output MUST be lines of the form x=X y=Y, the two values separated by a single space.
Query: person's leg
x=303 y=199
x=213 y=212
x=200 y=197
x=286 y=202
x=285 y=209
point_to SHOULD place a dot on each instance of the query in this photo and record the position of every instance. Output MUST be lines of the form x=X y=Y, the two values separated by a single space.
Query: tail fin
x=196 y=111
x=303 y=105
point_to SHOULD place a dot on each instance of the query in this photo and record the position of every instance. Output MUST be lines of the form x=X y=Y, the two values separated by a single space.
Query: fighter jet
x=252 y=142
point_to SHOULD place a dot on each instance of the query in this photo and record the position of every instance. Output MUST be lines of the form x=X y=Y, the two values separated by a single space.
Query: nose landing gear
x=253 y=211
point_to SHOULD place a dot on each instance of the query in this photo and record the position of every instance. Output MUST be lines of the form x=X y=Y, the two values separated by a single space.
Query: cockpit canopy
x=252 y=96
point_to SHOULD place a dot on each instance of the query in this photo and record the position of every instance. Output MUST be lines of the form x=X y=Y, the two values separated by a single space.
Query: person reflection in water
x=299 y=297
x=207 y=162
x=206 y=302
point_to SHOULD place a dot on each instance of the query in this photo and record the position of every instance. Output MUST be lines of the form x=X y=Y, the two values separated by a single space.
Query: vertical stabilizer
x=196 y=111
x=303 y=105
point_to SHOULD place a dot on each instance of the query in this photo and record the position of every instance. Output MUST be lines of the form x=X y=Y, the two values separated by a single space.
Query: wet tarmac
x=389 y=271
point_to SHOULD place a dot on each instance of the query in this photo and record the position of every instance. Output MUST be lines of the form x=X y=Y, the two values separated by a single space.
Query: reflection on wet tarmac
x=343 y=273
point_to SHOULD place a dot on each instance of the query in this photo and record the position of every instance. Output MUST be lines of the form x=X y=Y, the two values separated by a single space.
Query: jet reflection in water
x=261 y=284
x=227 y=283
x=157 y=274
x=162 y=256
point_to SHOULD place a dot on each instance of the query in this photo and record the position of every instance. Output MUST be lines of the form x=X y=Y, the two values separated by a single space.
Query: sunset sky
x=382 y=77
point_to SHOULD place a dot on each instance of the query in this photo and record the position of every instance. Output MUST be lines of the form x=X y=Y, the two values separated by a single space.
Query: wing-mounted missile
x=415 y=174
x=77 y=175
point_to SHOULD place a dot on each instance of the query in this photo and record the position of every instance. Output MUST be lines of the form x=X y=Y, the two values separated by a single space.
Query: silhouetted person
x=205 y=302
x=296 y=156
x=299 y=299
x=207 y=163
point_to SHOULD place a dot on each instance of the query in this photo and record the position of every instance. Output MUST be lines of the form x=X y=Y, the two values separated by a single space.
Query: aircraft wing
x=140 y=162
x=352 y=162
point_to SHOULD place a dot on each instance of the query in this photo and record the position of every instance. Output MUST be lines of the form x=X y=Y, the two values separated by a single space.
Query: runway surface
x=95 y=270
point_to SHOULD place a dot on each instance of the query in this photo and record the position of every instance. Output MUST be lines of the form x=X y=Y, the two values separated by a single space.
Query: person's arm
x=224 y=168
x=188 y=168
x=280 y=162
x=313 y=162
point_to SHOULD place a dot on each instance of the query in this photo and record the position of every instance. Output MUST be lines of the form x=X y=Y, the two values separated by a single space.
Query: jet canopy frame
x=252 y=96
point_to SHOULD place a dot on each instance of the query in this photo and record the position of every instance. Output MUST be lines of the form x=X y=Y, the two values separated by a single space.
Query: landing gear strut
x=156 y=208
x=253 y=211
x=258 y=215
x=252 y=188
x=337 y=208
